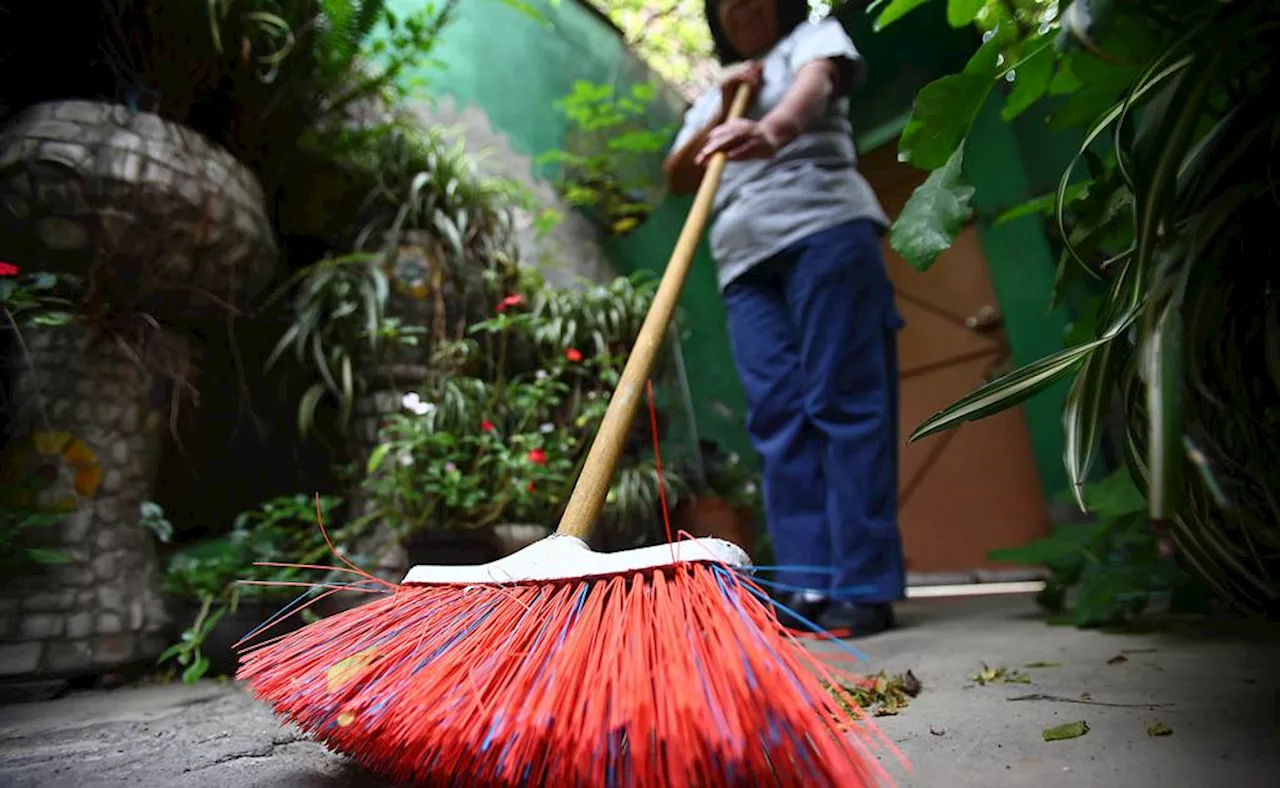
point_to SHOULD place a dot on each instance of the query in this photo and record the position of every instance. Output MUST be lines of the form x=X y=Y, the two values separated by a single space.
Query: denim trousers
x=813 y=333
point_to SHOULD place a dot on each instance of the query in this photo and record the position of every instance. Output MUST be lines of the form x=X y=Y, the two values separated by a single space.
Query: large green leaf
x=936 y=212
x=1067 y=541
x=1114 y=497
x=895 y=10
x=1031 y=77
x=944 y=110
x=962 y=12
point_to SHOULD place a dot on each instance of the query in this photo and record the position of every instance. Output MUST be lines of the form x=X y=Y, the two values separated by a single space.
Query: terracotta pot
x=708 y=515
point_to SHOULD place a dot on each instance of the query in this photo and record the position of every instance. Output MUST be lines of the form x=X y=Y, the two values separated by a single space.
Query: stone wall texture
x=179 y=223
x=92 y=421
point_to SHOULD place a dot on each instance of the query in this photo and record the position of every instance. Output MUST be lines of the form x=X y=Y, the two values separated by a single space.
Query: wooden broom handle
x=589 y=493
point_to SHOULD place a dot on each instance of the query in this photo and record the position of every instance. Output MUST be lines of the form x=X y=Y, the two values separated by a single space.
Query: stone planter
x=167 y=229
x=168 y=223
x=91 y=423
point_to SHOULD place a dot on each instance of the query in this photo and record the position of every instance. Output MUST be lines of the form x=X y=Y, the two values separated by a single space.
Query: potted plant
x=496 y=433
x=219 y=586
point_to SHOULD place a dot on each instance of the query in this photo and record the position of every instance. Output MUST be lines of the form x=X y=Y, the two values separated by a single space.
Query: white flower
x=733 y=458
x=405 y=458
x=750 y=488
x=450 y=467
x=540 y=374
x=547 y=428
x=413 y=403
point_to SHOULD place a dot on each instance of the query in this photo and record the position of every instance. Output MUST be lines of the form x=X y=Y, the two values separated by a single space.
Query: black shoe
x=806 y=608
x=850 y=619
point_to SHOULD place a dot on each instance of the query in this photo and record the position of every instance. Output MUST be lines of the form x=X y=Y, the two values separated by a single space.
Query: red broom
x=558 y=666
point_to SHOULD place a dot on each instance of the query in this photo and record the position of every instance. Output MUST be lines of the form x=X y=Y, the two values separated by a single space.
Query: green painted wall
x=1022 y=271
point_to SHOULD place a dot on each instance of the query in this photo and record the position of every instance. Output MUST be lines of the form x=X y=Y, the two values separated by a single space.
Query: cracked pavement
x=1218 y=692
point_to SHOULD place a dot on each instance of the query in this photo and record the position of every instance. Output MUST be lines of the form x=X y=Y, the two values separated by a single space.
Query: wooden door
x=975 y=488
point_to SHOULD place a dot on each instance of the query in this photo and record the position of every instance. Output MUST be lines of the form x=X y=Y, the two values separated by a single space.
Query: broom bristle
x=674 y=677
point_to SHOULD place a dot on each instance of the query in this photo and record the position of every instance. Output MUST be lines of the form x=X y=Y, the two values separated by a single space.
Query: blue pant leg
x=842 y=300
x=766 y=345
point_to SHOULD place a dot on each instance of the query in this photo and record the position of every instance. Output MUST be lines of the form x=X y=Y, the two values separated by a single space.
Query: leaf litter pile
x=880 y=695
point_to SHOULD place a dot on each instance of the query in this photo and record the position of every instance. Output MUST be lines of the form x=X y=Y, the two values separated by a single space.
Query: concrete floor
x=1219 y=694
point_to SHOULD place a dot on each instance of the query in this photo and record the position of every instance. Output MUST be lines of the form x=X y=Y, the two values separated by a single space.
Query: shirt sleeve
x=697 y=118
x=827 y=40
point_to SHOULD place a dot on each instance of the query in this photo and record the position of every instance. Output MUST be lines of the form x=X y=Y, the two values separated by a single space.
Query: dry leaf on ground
x=1071 y=730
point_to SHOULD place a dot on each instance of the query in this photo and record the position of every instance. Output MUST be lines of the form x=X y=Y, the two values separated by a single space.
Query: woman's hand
x=751 y=74
x=740 y=139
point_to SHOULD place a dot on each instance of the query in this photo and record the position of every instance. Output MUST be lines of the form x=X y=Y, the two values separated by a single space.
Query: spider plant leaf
x=322 y=363
x=307 y=407
x=1019 y=385
x=1157 y=74
x=286 y=341
x=1085 y=411
x=348 y=397
x=1164 y=374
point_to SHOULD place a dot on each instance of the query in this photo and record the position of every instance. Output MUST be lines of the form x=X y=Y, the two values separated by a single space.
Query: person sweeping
x=657 y=667
x=812 y=321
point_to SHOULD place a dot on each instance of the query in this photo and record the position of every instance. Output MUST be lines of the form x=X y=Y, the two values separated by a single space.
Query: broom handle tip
x=588 y=496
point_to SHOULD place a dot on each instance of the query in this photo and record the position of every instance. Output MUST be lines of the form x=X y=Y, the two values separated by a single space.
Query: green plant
x=1110 y=570
x=671 y=36
x=1178 y=99
x=500 y=429
x=258 y=76
x=339 y=320
x=611 y=148
x=425 y=200
x=40 y=299
x=19 y=526
x=219 y=573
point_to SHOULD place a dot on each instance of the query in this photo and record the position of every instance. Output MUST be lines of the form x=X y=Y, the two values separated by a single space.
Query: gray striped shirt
x=810 y=185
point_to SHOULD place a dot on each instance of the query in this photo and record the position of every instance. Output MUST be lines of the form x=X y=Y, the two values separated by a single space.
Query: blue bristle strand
x=847 y=592
x=493 y=730
x=853 y=652
x=795 y=681
x=820 y=570
x=721 y=578
x=448 y=644
x=294 y=605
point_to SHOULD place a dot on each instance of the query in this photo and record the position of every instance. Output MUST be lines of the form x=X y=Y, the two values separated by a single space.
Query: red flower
x=573 y=354
x=515 y=299
x=530 y=488
x=8 y=269
x=537 y=456
x=487 y=425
